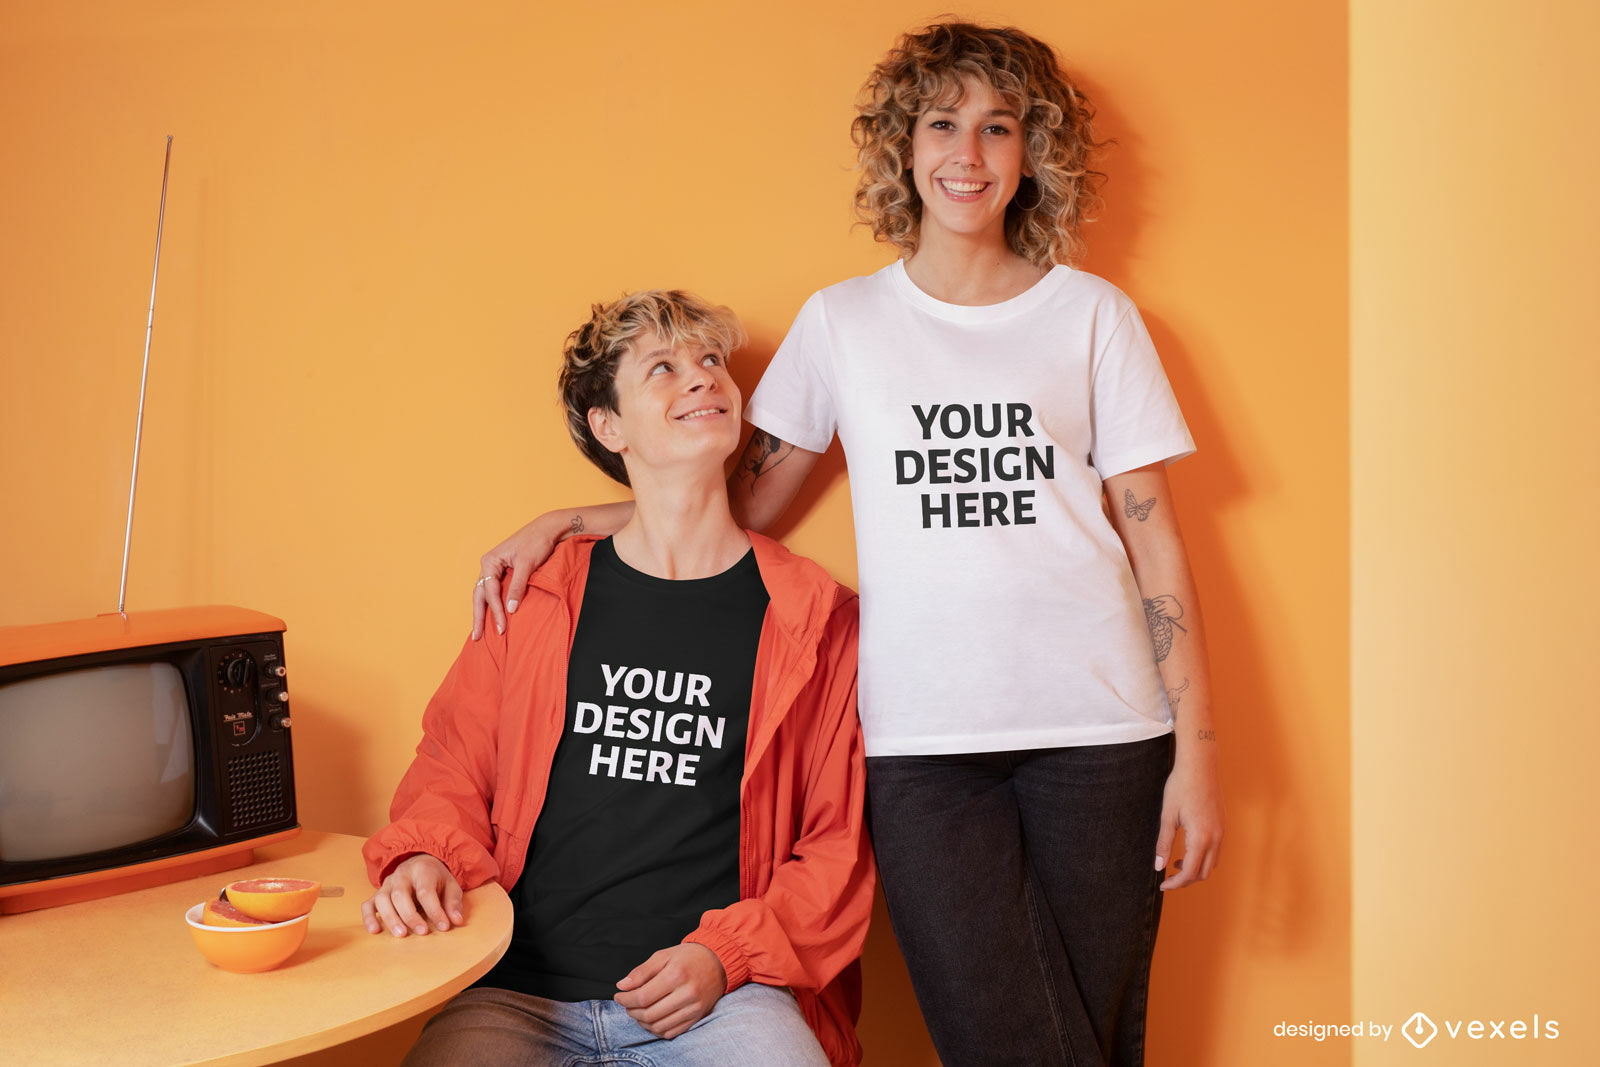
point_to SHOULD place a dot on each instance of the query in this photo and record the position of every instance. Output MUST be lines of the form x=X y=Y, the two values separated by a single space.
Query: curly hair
x=924 y=70
x=589 y=359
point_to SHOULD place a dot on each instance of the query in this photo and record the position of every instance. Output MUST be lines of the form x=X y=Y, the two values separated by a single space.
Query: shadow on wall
x=891 y=1030
x=1251 y=899
x=1181 y=1013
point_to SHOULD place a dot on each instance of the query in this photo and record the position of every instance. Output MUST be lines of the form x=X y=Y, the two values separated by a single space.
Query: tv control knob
x=281 y=722
x=281 y=696
x=238 y=671
x=278 y=671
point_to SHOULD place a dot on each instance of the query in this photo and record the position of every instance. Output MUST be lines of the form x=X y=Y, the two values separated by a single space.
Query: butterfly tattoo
x=1135 y=510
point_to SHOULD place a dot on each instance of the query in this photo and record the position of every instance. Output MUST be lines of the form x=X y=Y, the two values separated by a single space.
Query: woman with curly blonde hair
x=1058 y=190
x=1033 y=683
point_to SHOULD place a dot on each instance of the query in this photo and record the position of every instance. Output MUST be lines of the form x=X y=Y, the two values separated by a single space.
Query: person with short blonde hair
x=659 y=759
x=1035 y=697
x=589 y=358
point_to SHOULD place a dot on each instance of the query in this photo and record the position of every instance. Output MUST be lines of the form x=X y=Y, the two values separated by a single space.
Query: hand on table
x=673 y=989
x=420 y=892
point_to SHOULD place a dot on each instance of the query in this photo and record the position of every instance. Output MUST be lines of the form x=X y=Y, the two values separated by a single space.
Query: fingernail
x=443 y=925
x=399 y=931
x=499 y=629
x=1161 y=863
x=511 y=606
x=421 y=928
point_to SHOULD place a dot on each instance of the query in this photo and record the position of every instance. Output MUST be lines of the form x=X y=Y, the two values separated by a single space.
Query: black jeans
x=1024 y=895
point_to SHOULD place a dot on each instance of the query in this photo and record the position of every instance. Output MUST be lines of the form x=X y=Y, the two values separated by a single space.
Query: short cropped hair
x=589 y=360
x=924 y=70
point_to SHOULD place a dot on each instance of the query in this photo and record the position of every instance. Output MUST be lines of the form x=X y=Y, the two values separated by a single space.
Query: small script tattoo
x=1208 y=735
x=1175 y=696
x=576 y=526
x=1135 y=510
x=1161 y=614
x=764 y=453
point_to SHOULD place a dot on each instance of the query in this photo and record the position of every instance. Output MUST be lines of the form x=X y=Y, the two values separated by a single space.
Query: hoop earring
x=1022 y=187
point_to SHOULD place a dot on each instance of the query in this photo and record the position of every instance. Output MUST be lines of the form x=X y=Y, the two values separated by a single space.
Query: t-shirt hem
x=1166 y=452
x=1063 y=737
x=762 y=419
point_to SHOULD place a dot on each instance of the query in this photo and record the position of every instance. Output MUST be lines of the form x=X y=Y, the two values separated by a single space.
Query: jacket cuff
x=394 y=861
x=468 y=862
x=735 y=964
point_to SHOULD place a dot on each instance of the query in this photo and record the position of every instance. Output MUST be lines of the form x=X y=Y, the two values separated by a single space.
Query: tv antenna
x=144 y=377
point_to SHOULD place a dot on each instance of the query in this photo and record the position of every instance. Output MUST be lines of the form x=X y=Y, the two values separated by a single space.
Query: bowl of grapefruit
x=255 y=924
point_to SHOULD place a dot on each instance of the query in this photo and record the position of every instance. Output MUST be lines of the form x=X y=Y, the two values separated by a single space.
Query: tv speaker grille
x=255 y=789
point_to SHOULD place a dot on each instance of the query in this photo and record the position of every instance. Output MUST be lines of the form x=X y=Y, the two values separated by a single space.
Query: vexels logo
x=1419 y=1030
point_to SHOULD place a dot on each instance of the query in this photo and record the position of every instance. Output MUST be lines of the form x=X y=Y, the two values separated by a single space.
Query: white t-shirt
x=998 y=609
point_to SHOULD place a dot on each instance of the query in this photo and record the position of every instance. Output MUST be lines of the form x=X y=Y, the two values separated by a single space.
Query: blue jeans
x=485 y=1027
x=1023 y=892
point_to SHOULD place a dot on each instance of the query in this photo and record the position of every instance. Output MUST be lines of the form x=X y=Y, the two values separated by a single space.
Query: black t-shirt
x=639 y=833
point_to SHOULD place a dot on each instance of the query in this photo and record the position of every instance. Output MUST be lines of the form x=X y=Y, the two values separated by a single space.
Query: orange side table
x=119 y=980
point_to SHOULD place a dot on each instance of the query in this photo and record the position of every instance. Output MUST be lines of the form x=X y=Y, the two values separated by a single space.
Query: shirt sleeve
x=1135 y=415
x=795 y=400
x=442 y=804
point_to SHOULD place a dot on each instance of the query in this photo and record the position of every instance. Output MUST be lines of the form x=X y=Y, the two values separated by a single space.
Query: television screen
x=120 y=767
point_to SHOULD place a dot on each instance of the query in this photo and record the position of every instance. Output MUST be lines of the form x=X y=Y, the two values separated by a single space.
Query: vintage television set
x=140 y=748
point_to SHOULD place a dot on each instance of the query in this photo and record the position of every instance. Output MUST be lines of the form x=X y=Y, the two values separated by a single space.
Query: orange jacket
x=473 y=794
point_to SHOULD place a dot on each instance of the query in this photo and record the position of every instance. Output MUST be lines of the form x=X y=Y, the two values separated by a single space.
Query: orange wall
x=384 y=218
x=1474 y=381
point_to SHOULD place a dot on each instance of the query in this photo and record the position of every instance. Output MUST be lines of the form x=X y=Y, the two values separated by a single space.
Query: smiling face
x=967 y=159
x=676 y=407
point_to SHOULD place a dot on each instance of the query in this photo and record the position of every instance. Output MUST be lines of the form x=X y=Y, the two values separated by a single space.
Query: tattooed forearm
x=1135 y=510
x=764 y=453
x=1207 y=735
x=1161 y=614
x=1175 y=696
x=576 y=526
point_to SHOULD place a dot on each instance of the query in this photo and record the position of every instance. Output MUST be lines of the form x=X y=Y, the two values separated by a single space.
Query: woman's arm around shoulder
x=766 y=478
x=764 y=481
x=525 y=551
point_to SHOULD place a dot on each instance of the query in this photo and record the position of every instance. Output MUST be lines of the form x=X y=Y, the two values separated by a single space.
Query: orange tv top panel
x=104 y=633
